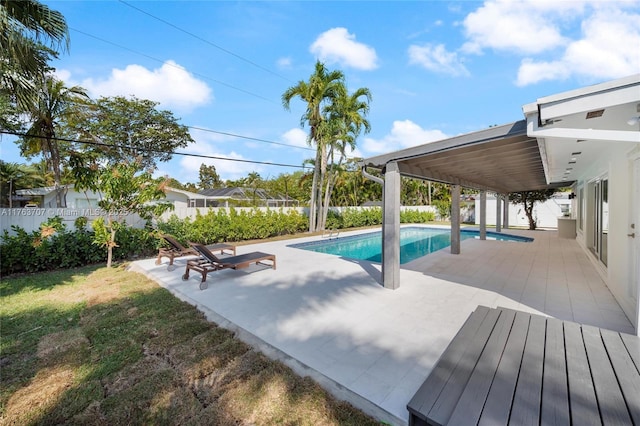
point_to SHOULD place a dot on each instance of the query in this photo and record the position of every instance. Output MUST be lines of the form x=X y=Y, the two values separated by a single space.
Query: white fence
x=546 y=214
x=30 y=219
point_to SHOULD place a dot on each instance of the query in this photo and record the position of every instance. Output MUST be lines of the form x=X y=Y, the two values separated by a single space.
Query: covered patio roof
x=501 y=159
x=562 y=137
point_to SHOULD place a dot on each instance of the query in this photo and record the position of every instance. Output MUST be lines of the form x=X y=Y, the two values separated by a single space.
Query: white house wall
x=618 y=273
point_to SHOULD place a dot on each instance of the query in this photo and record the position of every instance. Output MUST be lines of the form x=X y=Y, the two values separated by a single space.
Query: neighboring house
x=588 y=139
x=228 y=197
x=46 y=197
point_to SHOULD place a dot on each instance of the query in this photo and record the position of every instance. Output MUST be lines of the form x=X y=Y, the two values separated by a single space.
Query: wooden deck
x=511 y=367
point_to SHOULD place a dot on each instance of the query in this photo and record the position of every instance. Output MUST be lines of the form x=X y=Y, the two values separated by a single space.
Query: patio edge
x=334 y=388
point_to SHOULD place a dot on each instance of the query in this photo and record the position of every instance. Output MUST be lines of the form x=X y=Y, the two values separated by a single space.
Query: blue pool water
x=415 y=242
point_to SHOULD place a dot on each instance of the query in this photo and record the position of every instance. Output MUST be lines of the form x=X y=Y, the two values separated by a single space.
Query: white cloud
x=284 y=63
x=528 y=27
x=436 y=58
x=338 y=46
x=558 y=39
x=599 y=54
x=404 y=134
x=170 y=85
x=532 y=72
x=296 y=136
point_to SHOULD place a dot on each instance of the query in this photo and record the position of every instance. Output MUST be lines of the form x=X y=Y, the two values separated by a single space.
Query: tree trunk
x=321 y=183
x=111 y=245
x=327 y=198
x=312 y=202
x=528 y=210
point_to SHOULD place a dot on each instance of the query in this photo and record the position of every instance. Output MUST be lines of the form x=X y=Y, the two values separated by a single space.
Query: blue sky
x=435 y=69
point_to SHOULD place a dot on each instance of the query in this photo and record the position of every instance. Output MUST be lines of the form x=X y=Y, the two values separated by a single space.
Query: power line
x=249 y=138
x=212 y=157
x=204 y=40
x=175 y=66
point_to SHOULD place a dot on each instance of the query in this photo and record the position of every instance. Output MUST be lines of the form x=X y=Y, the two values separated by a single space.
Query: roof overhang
x=565 y=137
x=579 y=130
x=502 y=159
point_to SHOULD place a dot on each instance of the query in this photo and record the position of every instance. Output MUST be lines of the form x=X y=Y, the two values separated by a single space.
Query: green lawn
x=108 y=346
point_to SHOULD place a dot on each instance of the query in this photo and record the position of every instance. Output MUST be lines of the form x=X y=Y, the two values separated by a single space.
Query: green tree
x=528 y=200
x=14 y=176
x=30 y=34
x=346 y=119
x=53 y=102
x=209 y=177
x=124 y=188
x=323 y=87
x=132 y=130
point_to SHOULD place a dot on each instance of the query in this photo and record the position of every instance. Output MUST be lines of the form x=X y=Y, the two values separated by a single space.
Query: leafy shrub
x=54 y=247
x=233 y=225
x=444 y=208
x=416 y=216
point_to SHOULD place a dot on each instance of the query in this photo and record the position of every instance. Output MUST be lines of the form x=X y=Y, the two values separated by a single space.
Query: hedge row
x=53 y=246
x=220 y=226
x=355 y=218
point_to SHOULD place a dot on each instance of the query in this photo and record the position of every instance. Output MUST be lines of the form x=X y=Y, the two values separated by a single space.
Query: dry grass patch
x=107 y=346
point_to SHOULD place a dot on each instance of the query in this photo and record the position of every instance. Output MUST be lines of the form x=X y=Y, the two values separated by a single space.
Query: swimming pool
x=415 y=242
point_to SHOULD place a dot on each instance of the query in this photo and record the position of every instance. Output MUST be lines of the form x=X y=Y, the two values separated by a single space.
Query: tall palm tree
x=30 y=34
x=53 y=102
x=346 y=120
x=323 y=86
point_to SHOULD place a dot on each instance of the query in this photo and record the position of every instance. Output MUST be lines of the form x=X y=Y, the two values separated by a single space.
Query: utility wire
x=212 y=157
x=175 y=66
x=204 y=40
x=249 y=138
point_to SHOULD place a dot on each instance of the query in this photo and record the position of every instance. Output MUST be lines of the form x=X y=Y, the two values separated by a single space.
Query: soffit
x=501 y=159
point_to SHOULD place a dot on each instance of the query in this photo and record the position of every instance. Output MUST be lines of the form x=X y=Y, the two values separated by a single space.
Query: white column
x=498 y=212
x=391 y=227
x=505 y=220
x=483 y=215
x=455 y=219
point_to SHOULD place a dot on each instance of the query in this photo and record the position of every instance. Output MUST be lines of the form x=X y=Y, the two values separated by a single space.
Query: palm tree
x=346 y=120
x=30 y=34
x=323 y=86
x=15 y=176
x=53 y=101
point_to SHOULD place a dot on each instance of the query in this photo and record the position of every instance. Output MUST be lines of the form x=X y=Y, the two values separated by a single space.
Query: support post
x=483 y=215
x=455 y=219
x=498 y=213
x=391 y=227
x=505 y=217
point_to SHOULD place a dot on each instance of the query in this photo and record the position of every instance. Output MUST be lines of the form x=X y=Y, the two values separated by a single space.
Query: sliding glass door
x=601 y=219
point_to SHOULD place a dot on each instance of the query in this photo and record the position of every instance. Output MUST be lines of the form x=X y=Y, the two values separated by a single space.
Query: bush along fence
x=55 y=246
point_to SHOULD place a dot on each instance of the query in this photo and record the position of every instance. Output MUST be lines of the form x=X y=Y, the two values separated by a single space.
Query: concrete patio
x=329 y=318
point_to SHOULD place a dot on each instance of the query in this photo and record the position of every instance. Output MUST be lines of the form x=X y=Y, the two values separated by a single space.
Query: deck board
x=498 y=404
x=555 y=395
x=582 y=395
x=525 y=410
x=445 y=403
x=625 y=371
x=506 y=367
x=472 y=400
